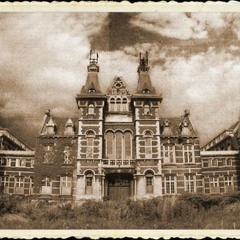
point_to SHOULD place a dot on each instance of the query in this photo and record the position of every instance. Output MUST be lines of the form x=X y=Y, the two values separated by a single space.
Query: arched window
x=149 y=182
x=128 y=145
x=146 y=109
x=148 y=144
x=109 y=145
x=91 y=109
x=124 y=104
x=112 y=104
x=90 y=144
x=119 y=103
x=89 y=182
x=118 y=145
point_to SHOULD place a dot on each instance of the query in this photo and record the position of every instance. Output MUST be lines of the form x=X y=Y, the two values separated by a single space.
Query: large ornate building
x=120 y=147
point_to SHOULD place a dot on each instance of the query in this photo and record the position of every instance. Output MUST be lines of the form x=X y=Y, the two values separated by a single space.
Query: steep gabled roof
x=7 y=133
x=60 y=125
x=175 y=126
x=113 y=89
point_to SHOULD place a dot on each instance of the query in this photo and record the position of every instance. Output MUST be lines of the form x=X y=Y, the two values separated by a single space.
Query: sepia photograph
x=119 y=120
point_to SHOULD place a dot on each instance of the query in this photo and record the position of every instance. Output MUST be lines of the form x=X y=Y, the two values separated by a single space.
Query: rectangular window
x=23 y=162
x=190 y=183
x=228 y=162
x=205 y=163
x=148 y=147
x=3 y=162
x=90 y=146
x=110 y=144
x=149 y=184
x=170 y=184
x=169 y=153
x=213 y=181
x=13 y=162
x=214 y=185
x=66 y=185
x=214 y=162
x=89 y=184
x=118 y=145
x=228 y=181
x=188 y=153
x=128 y=145
x=19 y=183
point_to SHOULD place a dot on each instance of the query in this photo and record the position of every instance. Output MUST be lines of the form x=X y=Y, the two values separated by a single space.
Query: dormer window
x=50 y=127
x=146 y=109
x=146 y=91
x=69 y=130
x=91 y=109
x=91 y=90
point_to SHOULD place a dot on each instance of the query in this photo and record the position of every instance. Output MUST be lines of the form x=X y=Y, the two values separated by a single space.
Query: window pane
x=118 y=145
x=109 y=142
x=128 y=145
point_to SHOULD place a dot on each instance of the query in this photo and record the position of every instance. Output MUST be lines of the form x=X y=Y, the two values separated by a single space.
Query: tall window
x=189 y=183
x=3 y=162
x=118 y=145
x=228 y=181
x=149 y=182
x=90 y=144
x=19 y=183
x=148 y=144
x=169 y=153
x=170 y=184
x=112 y=104
x=89 y=183
x=188 y=153
x=66 y=185
x=91 y=109
x=119 y=103
x=128 y=145
x=213 y=181
x=124 y=104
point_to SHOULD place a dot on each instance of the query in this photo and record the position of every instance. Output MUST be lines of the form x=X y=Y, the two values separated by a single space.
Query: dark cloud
x=194 y=62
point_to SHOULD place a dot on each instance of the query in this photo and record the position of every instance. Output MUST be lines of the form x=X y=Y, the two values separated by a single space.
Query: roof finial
x=93 y=62
x=143 y=63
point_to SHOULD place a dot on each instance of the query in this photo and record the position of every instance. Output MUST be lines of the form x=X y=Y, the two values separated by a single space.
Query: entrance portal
x=119 y=186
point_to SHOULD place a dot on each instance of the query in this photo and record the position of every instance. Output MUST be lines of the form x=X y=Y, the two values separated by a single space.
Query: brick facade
x=120 y=147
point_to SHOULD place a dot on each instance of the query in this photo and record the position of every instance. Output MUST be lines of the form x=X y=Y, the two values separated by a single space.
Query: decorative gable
x=118 y=87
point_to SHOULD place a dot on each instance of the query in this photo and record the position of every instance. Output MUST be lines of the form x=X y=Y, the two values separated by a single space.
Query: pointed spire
x=69 y=130
x=144 y=81
x=50 y=126
x=92 y=82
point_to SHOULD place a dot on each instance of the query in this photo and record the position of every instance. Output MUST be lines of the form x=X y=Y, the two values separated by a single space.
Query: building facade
x=118 y=147
x=221 y=162
x=16 y=164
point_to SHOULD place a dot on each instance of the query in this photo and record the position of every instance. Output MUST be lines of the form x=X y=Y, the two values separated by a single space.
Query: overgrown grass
x=190 y=211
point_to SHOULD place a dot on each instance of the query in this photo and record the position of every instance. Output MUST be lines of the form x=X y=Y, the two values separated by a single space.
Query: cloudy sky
x=194 y=59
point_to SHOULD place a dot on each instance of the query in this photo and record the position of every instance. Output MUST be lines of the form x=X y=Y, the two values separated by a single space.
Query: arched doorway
x=119 y=186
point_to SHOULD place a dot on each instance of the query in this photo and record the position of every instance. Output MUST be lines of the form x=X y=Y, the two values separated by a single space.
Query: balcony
x=118 y=163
